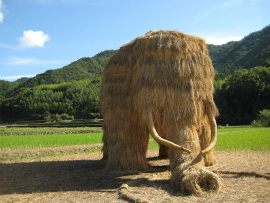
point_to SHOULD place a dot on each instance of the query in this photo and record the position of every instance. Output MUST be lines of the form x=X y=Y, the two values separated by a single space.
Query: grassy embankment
x=48 y=130
x=239 y=139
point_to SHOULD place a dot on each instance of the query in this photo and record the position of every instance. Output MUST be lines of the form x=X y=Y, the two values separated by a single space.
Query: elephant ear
x=151 y=127
x=213 y=125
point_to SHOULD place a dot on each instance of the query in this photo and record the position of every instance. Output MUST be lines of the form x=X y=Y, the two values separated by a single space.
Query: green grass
x=153 y=145
x=221 y=130
x=258 y=140
x=39 y=130
x=45 y=141
x=79 y=129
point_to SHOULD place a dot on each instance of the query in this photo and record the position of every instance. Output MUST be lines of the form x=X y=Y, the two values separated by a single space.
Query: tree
x=263 y=119
x=243 y=95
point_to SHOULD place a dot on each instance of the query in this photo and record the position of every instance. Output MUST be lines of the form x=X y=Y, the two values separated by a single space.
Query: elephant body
x=159 y=83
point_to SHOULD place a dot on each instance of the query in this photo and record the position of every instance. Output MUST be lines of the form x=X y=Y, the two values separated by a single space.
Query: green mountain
x=253 y=50
x=6 y=86
x=76 y=98
x=21 y=80
x=216 y=52
x=82 y=69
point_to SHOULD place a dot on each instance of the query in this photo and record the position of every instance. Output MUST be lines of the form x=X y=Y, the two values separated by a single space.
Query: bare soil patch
x=83 y=178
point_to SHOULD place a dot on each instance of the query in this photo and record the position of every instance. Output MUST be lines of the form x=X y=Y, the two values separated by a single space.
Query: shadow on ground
x=53 y=176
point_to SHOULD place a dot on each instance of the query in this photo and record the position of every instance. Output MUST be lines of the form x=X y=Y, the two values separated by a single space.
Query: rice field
x=8 y=143
x=221 y=130
x=240 y=139
x=258 y=140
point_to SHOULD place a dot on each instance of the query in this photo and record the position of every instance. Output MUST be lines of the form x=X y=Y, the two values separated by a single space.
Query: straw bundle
x=171 y=74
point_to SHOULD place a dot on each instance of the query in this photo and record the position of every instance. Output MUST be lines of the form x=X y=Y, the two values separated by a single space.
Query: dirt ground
x=83 y=178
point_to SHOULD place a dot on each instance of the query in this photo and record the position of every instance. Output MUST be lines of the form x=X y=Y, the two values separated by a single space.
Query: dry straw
x=170 y=72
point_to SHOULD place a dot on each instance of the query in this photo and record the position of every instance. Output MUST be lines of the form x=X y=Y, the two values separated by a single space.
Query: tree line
x=77 y=98
x=241 y=96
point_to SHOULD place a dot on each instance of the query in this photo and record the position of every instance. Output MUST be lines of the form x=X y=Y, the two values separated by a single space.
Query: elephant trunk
x=192 y=180
x=199 y=181
x=188 y=171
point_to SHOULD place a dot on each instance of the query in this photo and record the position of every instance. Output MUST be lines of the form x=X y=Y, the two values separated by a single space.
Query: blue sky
x=39 y=35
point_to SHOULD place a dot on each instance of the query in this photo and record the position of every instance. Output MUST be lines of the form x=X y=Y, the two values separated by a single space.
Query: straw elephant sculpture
x=161 y=83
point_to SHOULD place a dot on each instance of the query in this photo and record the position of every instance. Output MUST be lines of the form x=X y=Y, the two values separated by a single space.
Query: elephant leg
x=127 y=146
x=188 y=169
x=105 y=145
x=163 y=151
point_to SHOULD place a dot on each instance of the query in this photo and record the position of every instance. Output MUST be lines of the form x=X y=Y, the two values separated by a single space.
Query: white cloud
x=1 y=11
x=1 y=16
x=16 y=77
x=32 y=38
x=220 y=41
x=30 y=61
x=218 y=38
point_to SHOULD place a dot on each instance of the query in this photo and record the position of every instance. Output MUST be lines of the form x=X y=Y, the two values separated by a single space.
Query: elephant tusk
x=159 y=139
x=213 y=124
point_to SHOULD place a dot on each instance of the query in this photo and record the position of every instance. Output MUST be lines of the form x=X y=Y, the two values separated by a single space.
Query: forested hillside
x=77 y=98
x=216 y=52
x=82 y=69
x=253 y=50
x=6 y=86
x=73 y=89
